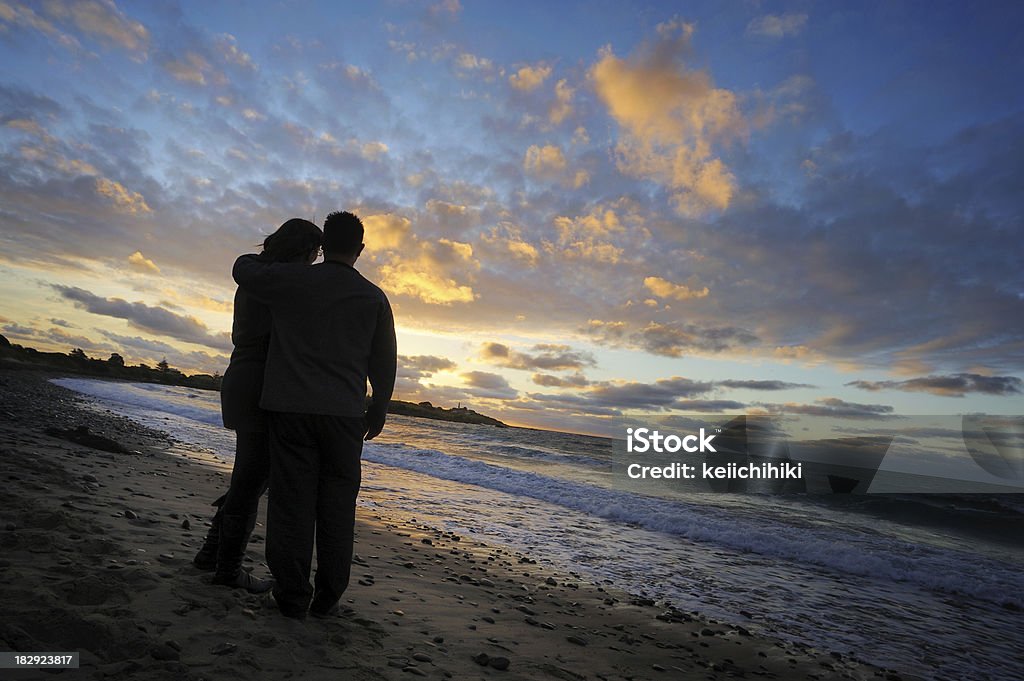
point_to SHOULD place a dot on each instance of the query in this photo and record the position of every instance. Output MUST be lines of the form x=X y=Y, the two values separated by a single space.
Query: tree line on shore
x=76 y=361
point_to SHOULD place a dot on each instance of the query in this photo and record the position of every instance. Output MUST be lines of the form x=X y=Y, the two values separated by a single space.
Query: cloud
x=561 y=108
x=955 y=385
x=407 y=278
x=424 y=365
x=19 y=103
x=834 y=407
x=372 y=151
x=671 y=118
x=589 y=237
x=799 y=101
x=576 y=380
x=183 y=297
x=386 y=232
x=124 y=199
x=777 y=25
x=467 y=62
x=492 y=386
x=761 y=385
x=550 y=357
x=445 y=8
x=102 y=20
x=425 y=275
x=15 y=329
x=549 y=162
x=98 y=19
x=530 y=77
x=152 y=319
x=666 y=289
x=216 y=61
x=663 y=394
x=510 y=244
x=568 y=404
x=137 y=349
x=672 y=339
x=412 y=369
x=142 y=263
x=545 y=160
x=192 y=68
x=65 y=339
x=28 y=126
x=712 y=406
x=227 y=45
x=20 y=15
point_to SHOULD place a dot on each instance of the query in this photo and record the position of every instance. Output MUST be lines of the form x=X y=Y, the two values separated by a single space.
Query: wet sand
x=96 y=558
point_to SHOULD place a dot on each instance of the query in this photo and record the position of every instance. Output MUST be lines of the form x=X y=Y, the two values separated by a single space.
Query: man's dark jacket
x=332 y=330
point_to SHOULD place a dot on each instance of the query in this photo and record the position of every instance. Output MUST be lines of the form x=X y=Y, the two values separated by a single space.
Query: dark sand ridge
x=96 y=550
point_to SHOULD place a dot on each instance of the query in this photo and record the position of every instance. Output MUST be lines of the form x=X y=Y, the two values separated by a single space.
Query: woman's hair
x=295 y=239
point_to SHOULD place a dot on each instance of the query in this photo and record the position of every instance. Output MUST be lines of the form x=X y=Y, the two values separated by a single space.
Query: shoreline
x=17 y=358
x=97 y=551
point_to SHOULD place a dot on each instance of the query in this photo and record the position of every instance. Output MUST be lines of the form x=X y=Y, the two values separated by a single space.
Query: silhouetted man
x=332 y=330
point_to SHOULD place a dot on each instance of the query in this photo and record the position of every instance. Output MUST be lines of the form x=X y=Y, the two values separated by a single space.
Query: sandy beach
x=96 y=558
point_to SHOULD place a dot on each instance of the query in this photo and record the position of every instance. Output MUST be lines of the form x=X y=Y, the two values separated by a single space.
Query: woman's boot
x=234 y=537
x=206 y=559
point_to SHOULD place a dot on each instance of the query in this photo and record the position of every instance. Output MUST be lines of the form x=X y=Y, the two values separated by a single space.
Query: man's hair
x=343 y=233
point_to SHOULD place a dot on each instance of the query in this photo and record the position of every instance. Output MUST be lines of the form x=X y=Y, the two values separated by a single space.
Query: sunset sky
x=577 y=209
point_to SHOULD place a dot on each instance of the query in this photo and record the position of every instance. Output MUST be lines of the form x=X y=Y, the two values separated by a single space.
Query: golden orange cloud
x=411 y=278
x=588 y=236
x=549 y=162
x=562 y=106
x=511 y=243
x=125 y=200
x=545 y=160
x=671 y=117
x=530 y=77
x=429 y=275
x=664 y=288
x=142 y=263
x=385 y=232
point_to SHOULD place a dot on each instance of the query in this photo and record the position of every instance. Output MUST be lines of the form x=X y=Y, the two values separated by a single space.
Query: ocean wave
x=801 y=538
x=164 y=399
x=517 y=451
x=876 y=557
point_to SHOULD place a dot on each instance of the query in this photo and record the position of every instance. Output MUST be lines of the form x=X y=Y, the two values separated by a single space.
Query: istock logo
x=642 y=440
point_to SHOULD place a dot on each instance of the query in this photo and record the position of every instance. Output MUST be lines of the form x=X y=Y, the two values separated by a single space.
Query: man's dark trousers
x=314 y=481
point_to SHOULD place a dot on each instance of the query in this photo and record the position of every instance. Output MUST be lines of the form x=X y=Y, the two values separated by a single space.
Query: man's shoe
x=244 y=580
x=323 y=610
x=331 y=613
x=288 y=611
x=205 y=560
x=327 y=614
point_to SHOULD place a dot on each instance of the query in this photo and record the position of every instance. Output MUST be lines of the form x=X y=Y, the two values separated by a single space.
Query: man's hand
x=375 y=417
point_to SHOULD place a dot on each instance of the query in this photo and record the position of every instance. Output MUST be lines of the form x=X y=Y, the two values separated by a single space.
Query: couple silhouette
x=307 y=338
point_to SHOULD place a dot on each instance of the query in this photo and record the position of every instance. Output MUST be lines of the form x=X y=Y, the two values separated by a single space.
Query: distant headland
x=13 y=356
x=458 y=414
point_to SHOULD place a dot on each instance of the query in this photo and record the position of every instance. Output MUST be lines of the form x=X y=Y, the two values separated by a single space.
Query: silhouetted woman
x=296 y=240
